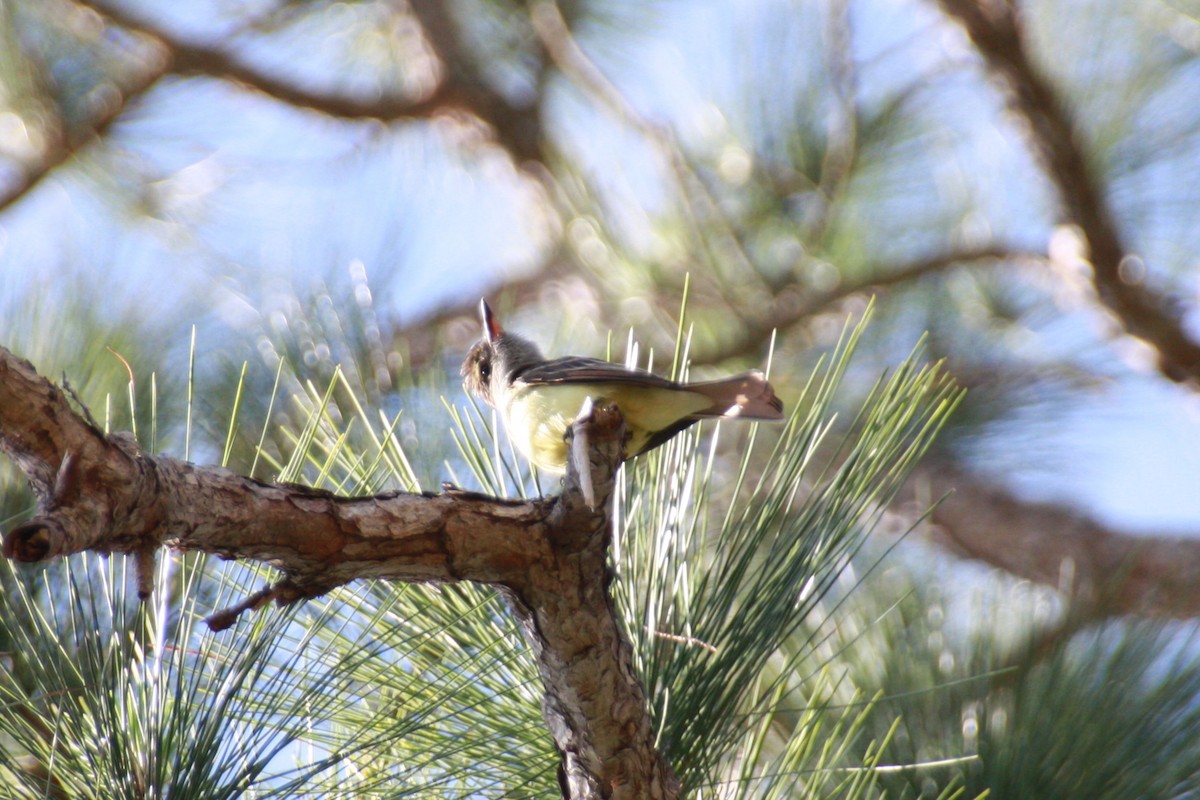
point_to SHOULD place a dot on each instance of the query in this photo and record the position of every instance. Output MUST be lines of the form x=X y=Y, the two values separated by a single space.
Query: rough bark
x=548 y=556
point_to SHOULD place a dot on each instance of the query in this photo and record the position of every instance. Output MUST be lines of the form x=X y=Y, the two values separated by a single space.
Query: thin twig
x=688 y=640
x=225 y=618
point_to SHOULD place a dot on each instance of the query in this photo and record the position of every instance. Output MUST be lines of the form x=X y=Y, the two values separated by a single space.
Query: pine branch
x=792 y=305
x=66 y=147
x=995 y=30
x=192 y=57
x=1105 y=572
x=548 y=556
x=517 y=128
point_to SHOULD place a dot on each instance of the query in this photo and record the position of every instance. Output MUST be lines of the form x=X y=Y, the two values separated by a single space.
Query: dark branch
x=794 y=304
x=995 y=30
x=517 y=127
x=191 y=57
x=67 y=146
x=1105 y=572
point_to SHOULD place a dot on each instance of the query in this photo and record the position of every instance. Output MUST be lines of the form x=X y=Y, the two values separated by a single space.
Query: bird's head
x=496 y=359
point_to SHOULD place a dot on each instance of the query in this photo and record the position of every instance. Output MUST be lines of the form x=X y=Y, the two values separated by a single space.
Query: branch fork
x=549 y=557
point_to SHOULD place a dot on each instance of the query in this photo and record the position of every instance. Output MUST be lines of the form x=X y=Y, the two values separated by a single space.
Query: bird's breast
x=537 y=416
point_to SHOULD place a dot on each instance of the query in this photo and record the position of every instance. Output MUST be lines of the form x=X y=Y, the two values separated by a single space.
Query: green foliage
x=454 y=663
x=772 y=671
x=404 y=690
x=1014 y=704
x=377 y=690
x=1111 y=713
x=115 y=699
x=390 y=690
x=722 y=563
x=718 y=599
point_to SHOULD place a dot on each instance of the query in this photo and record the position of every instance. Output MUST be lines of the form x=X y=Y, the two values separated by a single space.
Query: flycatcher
x=539 y=399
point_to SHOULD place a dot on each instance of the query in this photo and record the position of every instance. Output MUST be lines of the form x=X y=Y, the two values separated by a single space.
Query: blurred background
x=313 y=183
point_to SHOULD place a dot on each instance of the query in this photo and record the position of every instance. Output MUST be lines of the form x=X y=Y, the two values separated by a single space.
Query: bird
x=537 y=399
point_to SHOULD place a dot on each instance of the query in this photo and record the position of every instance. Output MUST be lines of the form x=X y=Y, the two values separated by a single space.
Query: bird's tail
x=748 y=396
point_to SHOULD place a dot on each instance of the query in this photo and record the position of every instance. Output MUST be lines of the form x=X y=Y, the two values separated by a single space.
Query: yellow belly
x=538 y=416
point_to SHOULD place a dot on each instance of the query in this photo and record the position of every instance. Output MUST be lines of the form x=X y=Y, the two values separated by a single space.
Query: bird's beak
x=491 y=326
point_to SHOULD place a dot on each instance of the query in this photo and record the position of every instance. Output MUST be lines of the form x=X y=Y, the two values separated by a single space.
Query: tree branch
x=1105 y=572
x=995 y=30
x=794 y=303
x=191 y=57
x=548 y=556
x=73 y=140
x=517 y=128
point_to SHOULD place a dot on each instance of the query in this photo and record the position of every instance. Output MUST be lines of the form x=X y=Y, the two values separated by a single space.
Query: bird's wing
x=579 y=369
